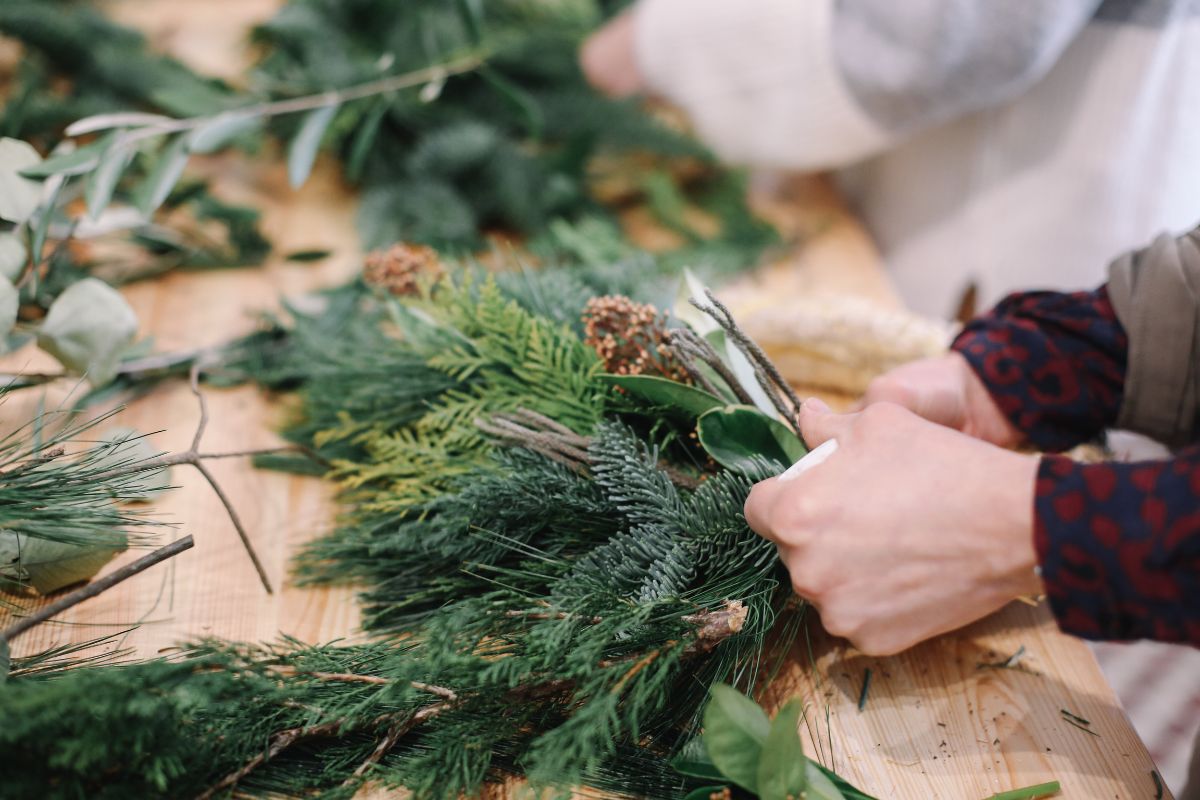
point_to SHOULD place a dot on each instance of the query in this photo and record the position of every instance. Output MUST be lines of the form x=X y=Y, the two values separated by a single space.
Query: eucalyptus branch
x=96 y=587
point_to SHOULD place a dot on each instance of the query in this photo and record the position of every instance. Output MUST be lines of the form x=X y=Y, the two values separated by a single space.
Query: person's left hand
x=909 y=530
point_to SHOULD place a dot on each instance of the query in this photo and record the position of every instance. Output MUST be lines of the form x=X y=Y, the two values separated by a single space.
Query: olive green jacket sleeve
x=1156 y=295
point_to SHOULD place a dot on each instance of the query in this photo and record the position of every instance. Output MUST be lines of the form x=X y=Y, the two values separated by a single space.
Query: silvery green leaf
x=41 y=228
x=690 y=288
x=12 y=256
x=68 y=160
x=88 y=328
x=163 y=177
x=119 y=119
x=19 y=195
x=103 y=182
x=220 y=131
x=302 y=152
x=126 y=447
x=48 y=566
x=9 y=303
x=743 y=370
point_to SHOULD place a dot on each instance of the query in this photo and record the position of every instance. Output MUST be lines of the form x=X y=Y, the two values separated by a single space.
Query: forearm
x=1119 y=547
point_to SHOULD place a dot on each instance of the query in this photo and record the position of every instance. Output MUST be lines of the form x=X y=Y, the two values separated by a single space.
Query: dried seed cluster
x=632 y=338
x=403 y=268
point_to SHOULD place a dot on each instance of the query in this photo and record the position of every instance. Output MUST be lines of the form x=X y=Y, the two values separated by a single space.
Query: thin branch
x=690 y=344
x=96 y=587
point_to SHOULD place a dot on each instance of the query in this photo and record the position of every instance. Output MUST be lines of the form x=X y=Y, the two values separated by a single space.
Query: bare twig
x=689 y=346
x=96 y=587
x=194 y=458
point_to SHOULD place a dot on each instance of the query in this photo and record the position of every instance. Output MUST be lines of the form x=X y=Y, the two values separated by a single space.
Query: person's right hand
x=609 y=58
x=947 y=391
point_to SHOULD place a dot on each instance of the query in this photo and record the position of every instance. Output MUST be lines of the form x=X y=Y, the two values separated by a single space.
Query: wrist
x=984 y=419
x=1015 y=559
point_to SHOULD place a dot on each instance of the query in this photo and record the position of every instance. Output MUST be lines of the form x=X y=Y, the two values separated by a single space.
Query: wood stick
x=96 y=587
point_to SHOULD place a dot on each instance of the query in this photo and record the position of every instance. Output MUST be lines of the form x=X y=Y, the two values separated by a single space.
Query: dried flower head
x=402 y=268
x=631 y=337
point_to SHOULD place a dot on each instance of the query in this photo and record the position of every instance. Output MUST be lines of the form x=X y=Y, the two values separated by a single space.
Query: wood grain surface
x=935 y=723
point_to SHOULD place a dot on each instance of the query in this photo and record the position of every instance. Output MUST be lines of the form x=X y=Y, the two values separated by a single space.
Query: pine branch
x=96 y=587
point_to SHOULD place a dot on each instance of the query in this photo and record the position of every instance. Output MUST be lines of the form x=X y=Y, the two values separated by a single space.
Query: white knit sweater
x=1015 y=145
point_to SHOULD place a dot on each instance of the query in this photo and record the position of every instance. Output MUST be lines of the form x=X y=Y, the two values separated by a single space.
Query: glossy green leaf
x=103 y=182
x=665 y=393
x=735 y=730
x=19 y=195
x=220 y=131
x=49 y=566
x=88 y=328
x=302 y=153
x=696 y=768
x=833 y=785
x=167 y=170
x=735 y=435
x=13 y=256
x=782 y=768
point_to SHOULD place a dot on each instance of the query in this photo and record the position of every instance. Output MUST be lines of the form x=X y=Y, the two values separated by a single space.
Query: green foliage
x=737 y=436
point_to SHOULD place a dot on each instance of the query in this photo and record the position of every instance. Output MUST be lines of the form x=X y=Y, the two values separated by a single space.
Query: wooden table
x=935 y=723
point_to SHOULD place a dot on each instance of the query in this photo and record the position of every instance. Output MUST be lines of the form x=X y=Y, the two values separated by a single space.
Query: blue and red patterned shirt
x=1118 y=543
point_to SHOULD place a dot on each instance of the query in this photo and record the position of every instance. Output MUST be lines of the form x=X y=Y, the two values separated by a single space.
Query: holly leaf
x=19 y=196
x=48 y=566
x=736 y=435
x=735 y=730
x=782 y=768
x=665 y=393
x=88 y=329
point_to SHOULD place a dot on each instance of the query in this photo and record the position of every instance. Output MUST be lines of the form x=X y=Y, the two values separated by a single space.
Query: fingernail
x=816 y=404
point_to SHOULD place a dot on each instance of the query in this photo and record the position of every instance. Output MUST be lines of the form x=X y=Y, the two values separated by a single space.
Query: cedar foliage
x=564 y=610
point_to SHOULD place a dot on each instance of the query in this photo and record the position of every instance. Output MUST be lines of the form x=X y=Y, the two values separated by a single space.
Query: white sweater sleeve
x=758 y=78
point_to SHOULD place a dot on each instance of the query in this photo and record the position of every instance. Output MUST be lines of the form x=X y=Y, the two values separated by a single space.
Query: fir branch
x=95 y=588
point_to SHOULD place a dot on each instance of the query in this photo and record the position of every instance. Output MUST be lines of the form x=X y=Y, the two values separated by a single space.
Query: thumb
x=818 y=424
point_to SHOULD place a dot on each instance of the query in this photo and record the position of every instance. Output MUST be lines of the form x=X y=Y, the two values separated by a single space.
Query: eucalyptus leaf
x=48 y=566
x=13 y=256
x=71 y=161
x=735 y=730
x=782 y=768
x=19 y=196
x=220 y=131
x=102 y=183
x=364 y=139
x=167 y=170
x=10 y=302
x=735 y=435
x=88 y=328
x=119 y=119
x=41 y=228
x=127 y=447
x=666 y=393
x=302 y=152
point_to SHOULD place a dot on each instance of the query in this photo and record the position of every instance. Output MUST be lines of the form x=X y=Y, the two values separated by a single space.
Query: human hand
x=907 y=531
x=947 y=391
x=609 y=58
